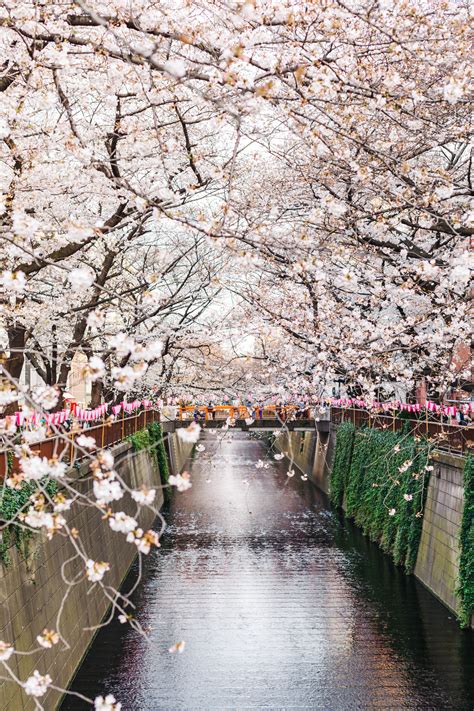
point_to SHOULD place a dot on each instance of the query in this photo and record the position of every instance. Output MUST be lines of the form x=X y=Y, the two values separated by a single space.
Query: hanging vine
x=382 y=479
x=342 y=462
x=465 y=589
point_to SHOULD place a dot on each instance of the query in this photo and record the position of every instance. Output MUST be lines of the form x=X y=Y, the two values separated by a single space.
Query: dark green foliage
x=369 y=473
x=140 y=440
x=156 y=435
x=465 y=588
x=342 y=461
x=161 y=452
x=12 y=501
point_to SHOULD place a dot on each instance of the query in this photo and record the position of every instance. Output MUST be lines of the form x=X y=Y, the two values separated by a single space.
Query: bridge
x=252 y=417
x=264 y=424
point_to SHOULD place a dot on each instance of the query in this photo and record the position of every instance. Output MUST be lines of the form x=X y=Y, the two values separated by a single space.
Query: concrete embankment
x=437 y=562
x=34 y=592
x=312 y=452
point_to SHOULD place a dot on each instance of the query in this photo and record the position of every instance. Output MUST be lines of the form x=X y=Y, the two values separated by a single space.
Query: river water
x=281 y=603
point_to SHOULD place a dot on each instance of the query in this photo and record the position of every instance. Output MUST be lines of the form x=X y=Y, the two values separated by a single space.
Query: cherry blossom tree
x=228 y=197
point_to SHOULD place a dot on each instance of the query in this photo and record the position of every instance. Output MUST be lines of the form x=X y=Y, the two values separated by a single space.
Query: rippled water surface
x=282 y=606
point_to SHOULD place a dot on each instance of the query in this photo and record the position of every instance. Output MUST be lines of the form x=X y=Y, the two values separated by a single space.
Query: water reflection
x=282 y=604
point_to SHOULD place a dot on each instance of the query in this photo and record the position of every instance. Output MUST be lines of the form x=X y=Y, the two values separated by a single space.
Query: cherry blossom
x=80 y=279
x=95 y=571
x=107 y=489
x=107 y=703
x=86 y=442
x=122 y=522
x=37 y=685
x=6 y=651
x=47 y=638
x=143 y=496
x=181 y=481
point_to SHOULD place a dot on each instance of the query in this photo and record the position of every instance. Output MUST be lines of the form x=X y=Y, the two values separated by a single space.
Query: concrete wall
x=32 y=590
x=312 y=452
x=178 y=451
x=437 y=565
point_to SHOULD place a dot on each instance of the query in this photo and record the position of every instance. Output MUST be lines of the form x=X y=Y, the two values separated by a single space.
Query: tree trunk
x=13 y=364
x=96 y=394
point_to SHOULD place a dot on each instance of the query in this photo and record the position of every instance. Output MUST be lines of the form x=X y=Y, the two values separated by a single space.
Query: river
x=282 y=605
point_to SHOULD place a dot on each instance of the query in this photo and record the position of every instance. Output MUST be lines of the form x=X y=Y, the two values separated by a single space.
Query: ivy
x=342 y=461
x=140 y=440
x=465 y=589
x=12 y=501
x=381 y=478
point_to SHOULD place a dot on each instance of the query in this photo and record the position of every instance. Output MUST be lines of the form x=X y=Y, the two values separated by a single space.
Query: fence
x=64 y=446
x=445 y=436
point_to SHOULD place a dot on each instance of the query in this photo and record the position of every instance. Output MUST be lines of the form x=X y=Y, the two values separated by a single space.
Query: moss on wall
x=383 y=477
x=465 y=589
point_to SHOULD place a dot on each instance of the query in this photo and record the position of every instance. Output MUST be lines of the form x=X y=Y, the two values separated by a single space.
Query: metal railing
x=63 y=446
x=450 y=437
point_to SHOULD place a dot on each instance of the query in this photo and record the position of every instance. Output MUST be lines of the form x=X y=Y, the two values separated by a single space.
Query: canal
x=281 y=603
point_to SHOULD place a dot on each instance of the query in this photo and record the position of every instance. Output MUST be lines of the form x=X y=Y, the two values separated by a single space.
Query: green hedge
x=366 y=476
x=465 y=590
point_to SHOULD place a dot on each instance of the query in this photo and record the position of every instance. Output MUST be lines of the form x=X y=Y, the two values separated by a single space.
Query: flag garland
x=397 y=405
x=81 y=414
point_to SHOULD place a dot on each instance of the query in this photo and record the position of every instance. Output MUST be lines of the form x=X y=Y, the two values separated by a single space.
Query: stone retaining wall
x=32 y=590
x=437 y=565
x=312 y=452
x=178 y=451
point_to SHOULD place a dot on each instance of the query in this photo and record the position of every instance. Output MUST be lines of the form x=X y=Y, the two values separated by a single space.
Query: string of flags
x=397 y=405
x=79 y=413
x=85 y=415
